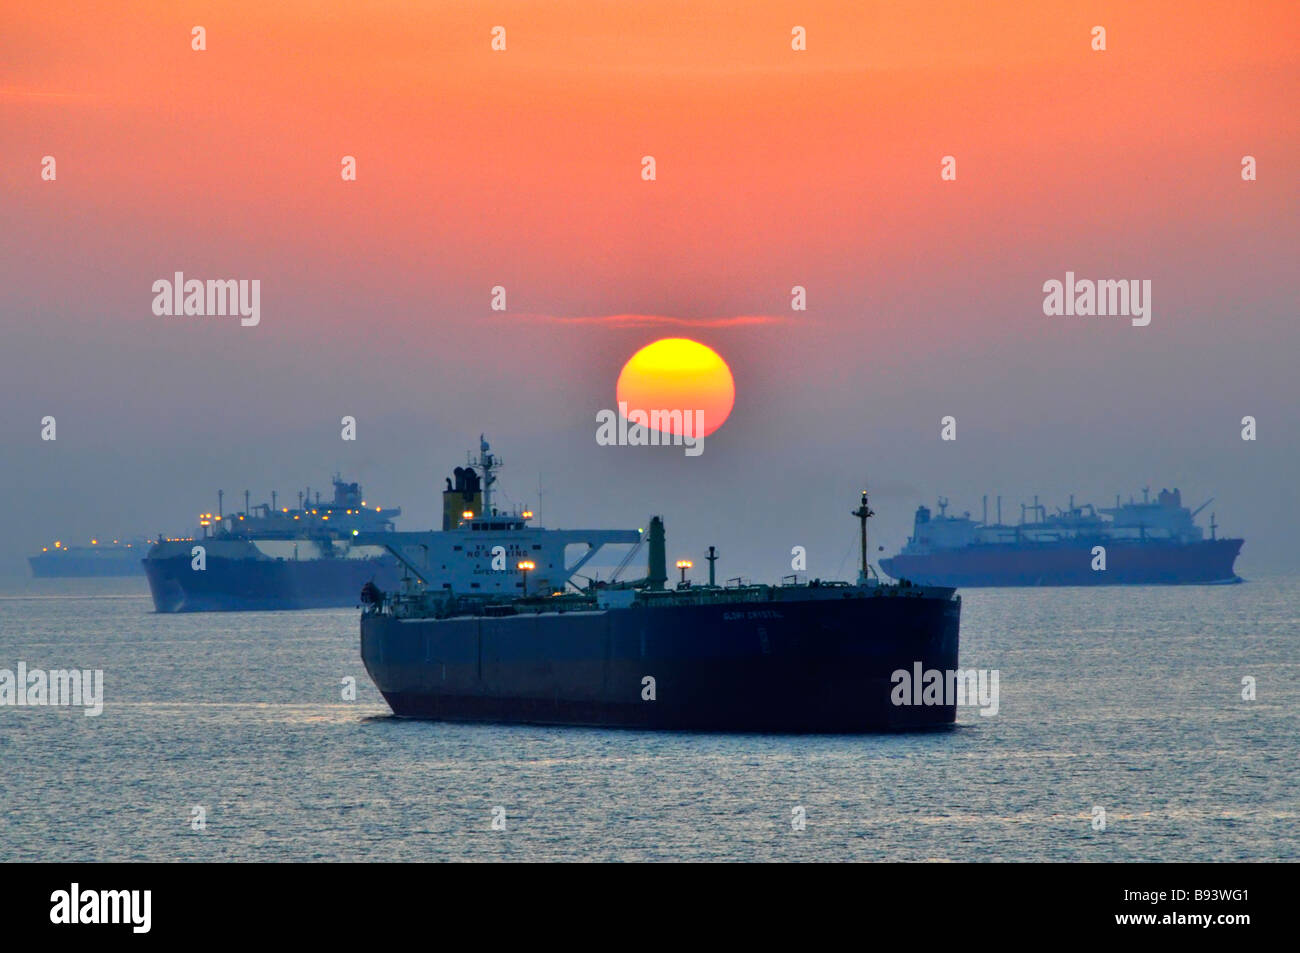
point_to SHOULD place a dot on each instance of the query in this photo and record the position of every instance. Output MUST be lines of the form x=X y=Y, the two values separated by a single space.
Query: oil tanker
x=812 y=657
x=1154 y=542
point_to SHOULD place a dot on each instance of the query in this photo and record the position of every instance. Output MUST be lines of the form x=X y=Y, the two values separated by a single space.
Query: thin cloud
x=29 y=94
x=651 y=320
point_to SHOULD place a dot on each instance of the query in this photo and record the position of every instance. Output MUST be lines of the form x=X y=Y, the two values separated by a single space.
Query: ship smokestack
x=463 y=495
x=713 y=558
x=985 y=519
x=657 y=573
x=220 y=494
x=999 y=510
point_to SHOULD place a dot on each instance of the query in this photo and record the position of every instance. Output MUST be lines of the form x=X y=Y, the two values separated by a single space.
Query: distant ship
x=1155 y=542
x=812 y=657
x=320 y=555
x=116 y=558
x=270 y=557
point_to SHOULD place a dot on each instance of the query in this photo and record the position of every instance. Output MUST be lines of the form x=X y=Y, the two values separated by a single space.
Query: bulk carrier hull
x=820 y=664
x=244 y=584
x=1153 y=562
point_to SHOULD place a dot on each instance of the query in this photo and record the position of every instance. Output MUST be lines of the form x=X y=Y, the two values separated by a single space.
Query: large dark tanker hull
x=261 y=584
x=1070 y=564
x=806 y=666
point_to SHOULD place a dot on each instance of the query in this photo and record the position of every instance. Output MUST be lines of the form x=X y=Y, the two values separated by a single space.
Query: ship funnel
x=657 y=571
x=463 y=496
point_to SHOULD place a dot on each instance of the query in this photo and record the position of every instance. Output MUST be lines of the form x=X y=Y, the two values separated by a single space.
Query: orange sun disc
x=674 y=377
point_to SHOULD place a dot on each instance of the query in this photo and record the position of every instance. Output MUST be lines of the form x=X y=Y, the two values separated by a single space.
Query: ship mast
x=864 y=513
x=487 y=463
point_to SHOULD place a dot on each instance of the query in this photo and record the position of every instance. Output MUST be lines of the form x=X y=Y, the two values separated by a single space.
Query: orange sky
x=474 y=162
x=522 y=169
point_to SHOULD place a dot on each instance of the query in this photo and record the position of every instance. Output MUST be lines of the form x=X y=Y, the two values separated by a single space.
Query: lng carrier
x=1154 y=542
x=320 y=554
x=271 y=557
x=813 y=657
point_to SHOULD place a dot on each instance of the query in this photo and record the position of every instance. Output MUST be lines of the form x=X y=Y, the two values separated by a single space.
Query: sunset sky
x=775 y=168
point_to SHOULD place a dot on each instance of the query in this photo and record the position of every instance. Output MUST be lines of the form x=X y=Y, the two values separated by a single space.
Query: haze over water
x=1125 y=698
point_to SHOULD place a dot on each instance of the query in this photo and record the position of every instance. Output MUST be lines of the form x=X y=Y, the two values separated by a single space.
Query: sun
x=678 y=374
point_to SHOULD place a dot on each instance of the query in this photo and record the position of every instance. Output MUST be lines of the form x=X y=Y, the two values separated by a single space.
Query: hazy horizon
x=522 y=169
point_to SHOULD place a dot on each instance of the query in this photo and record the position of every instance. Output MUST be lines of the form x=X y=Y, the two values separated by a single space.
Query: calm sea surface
x=1125 y=699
